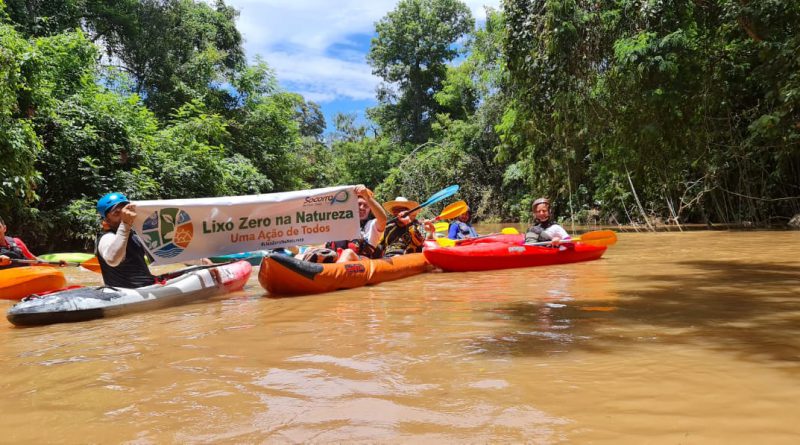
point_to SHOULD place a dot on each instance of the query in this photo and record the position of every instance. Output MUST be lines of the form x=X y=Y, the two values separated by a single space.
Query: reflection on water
x=670 y=338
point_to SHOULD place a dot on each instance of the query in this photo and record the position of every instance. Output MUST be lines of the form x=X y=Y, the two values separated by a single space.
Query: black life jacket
x=401 y=240
x=132 y=272
x=13 y=251
x=536 y=233
x=358 y=245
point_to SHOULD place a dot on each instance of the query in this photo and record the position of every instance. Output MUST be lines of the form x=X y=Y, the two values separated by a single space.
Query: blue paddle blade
x=440 y=195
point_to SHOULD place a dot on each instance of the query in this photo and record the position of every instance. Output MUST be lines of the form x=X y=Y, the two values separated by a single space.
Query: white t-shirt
x=371 y=233
x=557 y=231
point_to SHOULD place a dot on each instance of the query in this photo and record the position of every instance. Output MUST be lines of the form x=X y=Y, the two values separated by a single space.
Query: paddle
x=442 y=226
x=447 y=242
x=88 y=262
x=438 y=196
x=453 y=210
x=595 y=238
x=49 y=263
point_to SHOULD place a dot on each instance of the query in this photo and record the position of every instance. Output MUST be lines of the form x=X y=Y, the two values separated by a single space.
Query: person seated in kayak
x=543 y=229
x=461 y=228
x=373 y=222
x=405 y=234
x=12 y=249
x=120 y=251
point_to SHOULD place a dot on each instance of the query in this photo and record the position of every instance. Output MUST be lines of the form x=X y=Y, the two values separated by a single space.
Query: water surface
x=670 y=338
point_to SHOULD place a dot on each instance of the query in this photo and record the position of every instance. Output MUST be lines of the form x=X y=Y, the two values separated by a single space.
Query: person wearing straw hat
x=405 y=234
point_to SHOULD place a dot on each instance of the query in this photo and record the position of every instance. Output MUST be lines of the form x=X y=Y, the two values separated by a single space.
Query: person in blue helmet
x=120 y=251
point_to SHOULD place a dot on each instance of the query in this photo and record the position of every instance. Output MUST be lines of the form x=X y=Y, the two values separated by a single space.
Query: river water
x=670 y=338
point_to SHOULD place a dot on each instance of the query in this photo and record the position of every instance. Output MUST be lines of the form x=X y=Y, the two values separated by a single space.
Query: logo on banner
x=340 y=196
x=168 y=232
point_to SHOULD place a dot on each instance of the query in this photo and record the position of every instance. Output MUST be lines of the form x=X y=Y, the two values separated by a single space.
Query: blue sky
x=318 y=48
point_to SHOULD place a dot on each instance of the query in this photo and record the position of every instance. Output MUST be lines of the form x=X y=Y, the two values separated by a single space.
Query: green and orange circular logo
x=168 y=232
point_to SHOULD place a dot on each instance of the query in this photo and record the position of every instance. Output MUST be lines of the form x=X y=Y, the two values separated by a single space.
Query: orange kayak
x=286 y=275
x=92 y=264
x=19 y=282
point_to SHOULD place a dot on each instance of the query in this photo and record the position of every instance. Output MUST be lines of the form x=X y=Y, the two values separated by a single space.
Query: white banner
x=177 y=230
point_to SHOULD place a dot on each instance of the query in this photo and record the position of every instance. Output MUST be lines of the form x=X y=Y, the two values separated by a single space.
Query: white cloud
x=317 y=47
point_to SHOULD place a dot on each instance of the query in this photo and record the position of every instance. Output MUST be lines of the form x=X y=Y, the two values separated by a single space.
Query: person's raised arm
x=374 y=206
x=112 y=246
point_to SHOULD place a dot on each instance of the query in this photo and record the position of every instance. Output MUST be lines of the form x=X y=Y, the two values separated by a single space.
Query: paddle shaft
x=438 y=196
x=459 y=241
x=50 y=263
x=598 y=237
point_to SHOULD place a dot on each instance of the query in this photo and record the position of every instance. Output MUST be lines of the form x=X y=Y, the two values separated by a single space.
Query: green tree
x=189 y=158
x=19 y=143
x=359 y=158
x=202 y=51
x=414 y=42
x=677 y=109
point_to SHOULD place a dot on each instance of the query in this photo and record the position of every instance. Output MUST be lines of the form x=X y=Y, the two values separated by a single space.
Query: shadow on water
x=749 y=309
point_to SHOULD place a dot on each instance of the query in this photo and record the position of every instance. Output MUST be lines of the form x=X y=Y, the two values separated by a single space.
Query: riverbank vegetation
x=625 y=111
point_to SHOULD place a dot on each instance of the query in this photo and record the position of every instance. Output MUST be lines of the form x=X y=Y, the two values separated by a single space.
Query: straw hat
x=401 y=202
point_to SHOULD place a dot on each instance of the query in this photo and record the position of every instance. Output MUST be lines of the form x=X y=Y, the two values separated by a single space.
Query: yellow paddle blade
x=454 y=210
x=509 y=231
x=442 y=226
x=445 y=242
x=598 y=238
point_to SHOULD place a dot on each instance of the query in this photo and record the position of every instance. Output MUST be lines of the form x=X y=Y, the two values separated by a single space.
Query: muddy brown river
x=670 y=338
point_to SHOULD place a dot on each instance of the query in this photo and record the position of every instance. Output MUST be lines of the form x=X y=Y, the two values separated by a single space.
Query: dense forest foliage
x=624 y=111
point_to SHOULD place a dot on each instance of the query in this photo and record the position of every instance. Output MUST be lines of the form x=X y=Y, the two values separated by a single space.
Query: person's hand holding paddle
x=430 y=229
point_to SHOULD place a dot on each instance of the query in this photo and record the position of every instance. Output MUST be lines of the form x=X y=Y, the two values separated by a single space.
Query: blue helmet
x=108 y=201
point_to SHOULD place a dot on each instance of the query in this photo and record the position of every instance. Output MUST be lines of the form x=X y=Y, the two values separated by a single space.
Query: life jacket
x=358 y=245
x=537 y=232
x=13 y=251
x=320 y=255
x=132 y=272
x=464 y=230
x=402 y=240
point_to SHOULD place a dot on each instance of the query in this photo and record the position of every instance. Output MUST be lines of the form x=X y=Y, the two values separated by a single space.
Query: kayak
x=19 y=282
x=516 y=238
x=88 y=303
x=92 y=264
x=86 y=260
x=494 y=255
x=254 y=257
x=71 y=257
x=286 y=275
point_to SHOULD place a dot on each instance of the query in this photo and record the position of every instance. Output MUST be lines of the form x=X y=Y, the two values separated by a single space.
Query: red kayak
x=506 y=253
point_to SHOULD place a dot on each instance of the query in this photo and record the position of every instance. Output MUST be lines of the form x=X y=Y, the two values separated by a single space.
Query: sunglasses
x=117 y=209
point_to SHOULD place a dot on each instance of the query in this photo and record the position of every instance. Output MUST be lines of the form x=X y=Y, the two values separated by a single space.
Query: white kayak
x=88 y=303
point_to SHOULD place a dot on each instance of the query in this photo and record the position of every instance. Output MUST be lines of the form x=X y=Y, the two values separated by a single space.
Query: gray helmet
x=540 y=201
